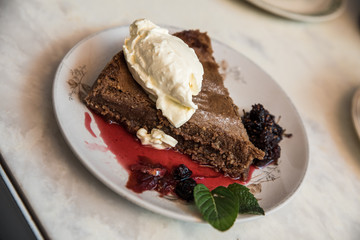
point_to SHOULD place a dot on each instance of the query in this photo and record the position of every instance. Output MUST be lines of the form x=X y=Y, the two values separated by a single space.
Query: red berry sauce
x=137 y=159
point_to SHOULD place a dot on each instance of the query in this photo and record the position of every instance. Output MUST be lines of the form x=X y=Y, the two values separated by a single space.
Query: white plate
x=303 y=10
x=247 y=83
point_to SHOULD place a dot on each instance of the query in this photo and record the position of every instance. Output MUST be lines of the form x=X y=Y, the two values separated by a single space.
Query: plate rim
x=143 y=203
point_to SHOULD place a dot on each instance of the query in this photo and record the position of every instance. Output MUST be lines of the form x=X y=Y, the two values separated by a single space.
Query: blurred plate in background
x=356 y=111
x=303 y=10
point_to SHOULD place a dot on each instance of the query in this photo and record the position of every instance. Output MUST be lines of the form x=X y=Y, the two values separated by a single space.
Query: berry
x=185 y=189
x=182 y=172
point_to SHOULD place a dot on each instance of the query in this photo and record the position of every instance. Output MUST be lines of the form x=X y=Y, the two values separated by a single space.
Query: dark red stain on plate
x=128 y=150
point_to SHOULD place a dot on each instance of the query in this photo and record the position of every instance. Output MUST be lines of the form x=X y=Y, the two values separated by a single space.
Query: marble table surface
x=317 y=64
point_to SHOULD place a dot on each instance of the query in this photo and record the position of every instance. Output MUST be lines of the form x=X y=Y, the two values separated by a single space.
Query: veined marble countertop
x=317 y=64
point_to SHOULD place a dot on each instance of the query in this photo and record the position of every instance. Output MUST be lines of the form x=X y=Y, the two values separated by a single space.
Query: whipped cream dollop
x=157 y=138
x=166 y=67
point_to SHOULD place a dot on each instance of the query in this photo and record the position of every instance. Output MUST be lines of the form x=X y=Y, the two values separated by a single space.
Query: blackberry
x=182 y=172
x=264 y=133
x=185 y=189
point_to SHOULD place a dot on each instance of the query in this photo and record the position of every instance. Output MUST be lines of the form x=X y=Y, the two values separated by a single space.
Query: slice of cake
x=214 y=136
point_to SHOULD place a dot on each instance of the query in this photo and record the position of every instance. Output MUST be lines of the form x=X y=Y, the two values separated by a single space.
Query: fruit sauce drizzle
x=149 y=168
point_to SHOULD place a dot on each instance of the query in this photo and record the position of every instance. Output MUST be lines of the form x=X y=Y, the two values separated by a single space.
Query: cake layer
x=214 y=136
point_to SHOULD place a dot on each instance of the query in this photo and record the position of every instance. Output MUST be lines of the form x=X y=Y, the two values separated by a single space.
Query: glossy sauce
x=128 y=151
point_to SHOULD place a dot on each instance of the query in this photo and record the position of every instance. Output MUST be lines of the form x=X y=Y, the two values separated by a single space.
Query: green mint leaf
x=219 y=207
x=248 y=204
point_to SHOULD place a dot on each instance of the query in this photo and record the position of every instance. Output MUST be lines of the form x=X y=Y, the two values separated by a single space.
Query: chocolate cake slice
x=214 y=136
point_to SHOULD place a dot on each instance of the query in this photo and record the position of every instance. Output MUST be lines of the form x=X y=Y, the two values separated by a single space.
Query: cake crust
x=214 y=136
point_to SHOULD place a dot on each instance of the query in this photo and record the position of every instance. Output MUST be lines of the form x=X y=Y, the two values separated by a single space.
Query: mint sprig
x=248 y=204
x=221 y=206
